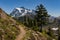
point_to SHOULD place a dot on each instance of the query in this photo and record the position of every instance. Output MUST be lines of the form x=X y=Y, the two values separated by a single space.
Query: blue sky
x=52 y=6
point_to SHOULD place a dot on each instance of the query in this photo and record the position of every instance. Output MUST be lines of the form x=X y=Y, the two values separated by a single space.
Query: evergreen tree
x=24 y=20
x=28 y=21
x=41 y=17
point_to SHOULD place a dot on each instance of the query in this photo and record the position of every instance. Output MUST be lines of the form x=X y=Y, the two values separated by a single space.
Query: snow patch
x=54 y=28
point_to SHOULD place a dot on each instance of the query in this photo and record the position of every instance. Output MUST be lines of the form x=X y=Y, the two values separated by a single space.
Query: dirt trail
x=22 y=33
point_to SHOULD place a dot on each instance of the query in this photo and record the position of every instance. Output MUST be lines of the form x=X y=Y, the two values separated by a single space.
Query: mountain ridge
x=17 y=12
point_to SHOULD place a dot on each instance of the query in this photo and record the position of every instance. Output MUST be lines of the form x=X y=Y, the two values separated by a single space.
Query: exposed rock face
x=19 y=12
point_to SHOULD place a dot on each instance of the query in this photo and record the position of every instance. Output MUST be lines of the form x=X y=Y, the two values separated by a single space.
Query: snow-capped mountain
x=21 y=11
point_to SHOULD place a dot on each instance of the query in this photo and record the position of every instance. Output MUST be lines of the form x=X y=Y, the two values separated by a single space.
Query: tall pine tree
x=41 y=17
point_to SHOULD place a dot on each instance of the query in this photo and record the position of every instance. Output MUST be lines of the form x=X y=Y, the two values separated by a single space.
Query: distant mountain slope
x=51 y=19
x=21 y=12
x=18 y=12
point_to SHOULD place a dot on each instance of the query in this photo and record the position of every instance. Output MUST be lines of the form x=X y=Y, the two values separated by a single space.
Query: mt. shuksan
x=21 y=11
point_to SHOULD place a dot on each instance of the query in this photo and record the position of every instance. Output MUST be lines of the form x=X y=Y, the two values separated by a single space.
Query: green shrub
x=35 y=28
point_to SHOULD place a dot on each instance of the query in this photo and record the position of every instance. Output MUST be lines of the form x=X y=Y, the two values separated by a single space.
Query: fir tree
x=41 y=17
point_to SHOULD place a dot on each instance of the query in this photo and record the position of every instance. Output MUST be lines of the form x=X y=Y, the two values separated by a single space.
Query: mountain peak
x=21 y=11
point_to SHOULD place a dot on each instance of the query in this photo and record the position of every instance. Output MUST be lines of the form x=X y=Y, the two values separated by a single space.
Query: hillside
x=8 y=27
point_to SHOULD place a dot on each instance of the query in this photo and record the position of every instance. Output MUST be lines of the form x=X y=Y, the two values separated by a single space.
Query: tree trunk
x=40 y=28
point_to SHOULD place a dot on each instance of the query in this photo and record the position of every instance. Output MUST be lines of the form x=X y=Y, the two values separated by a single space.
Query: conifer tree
x=42 y=16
